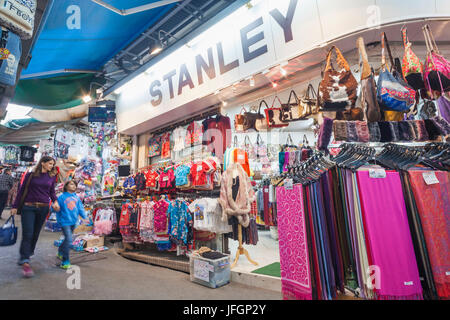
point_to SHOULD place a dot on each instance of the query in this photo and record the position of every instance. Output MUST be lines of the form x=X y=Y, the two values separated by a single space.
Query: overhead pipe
x=145 y=7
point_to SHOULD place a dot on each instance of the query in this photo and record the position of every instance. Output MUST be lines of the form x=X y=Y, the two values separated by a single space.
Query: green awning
x=55 y=93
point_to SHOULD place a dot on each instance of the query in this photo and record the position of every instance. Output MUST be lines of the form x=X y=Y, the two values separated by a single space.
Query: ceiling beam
x=126 y=12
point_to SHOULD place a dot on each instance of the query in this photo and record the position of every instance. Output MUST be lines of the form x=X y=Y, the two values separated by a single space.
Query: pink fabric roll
x=294 y=259
x=388 y=237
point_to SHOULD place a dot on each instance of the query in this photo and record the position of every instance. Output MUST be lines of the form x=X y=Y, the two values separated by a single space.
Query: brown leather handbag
x=338 y=89
x=273 y=115
x=261 y=122
x=239 y=121
x=369 y=101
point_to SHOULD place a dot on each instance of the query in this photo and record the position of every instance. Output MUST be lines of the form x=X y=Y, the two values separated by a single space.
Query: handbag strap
x=432 y=41
x=235 y=141
x=339 y=59
x=258 y=139
x=310 y=89
x=293 y=94
x=260 y=104
x=25 y=190
x=289 y=139
x=406 y=42
x=364 y=66
x=243 y=108
x=13 y=221
x=384 y=46
x=274 y=99
x=247 y=141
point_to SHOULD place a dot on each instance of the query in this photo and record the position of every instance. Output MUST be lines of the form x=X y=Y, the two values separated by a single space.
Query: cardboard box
x=83 y=229
x=95 y=242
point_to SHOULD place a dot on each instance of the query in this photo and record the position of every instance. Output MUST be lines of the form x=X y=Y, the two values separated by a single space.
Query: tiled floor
x=265 y=253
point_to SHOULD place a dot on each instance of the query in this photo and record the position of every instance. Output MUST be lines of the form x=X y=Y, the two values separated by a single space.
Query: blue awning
x=83 y=35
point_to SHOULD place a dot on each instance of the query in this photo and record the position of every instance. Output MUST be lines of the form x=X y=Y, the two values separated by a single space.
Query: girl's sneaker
x=65 y=265
x=59 y=256
x=27 y=271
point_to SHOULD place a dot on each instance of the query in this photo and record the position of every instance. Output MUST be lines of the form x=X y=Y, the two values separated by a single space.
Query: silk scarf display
x=294 y=258
x=433 y=204
x=386 y=226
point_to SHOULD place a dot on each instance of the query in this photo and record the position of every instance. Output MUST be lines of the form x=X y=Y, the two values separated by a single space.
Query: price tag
x=410 y=283
x=241 y=157
x=199 y=168
x=430 y=178
x=447 y=273
x=166 y=179
x=377 y=173
x=288 y=184
x=201 y=270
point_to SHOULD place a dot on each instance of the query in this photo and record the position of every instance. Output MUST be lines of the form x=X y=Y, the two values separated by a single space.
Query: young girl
x=71 y=207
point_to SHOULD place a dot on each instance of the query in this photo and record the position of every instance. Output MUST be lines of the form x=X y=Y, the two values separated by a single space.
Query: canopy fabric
x=84 y=35
x=77 y=112
x=53 y=93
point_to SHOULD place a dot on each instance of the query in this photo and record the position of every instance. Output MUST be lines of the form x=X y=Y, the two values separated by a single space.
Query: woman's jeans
x=33 y=219
x=64 y=249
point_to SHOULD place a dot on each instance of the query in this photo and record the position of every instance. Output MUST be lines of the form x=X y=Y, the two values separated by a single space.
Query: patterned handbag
x=393 y=93
x=292 y=111
x=338 y=89
x=436 y=73
x=412 y=66
x=273 y=115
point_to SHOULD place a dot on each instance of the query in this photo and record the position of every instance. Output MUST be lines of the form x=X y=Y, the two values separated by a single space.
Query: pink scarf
x=388 y=237
x=294 y=260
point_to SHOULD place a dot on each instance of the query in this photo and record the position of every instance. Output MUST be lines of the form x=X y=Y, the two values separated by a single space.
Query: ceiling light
x=87 y=99
x=283 y=72
x=252 y=82
x=156 y=50
x=224 y=103
x=274 y=84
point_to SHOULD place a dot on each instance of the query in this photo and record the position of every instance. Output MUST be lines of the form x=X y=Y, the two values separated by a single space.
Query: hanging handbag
x=369 y=101
x=412 y=66
x=239 y=121
x=309 y=101
x=393 y=93
x=261 y=122
x=292 y=111
x=249 y=148
x=273 y=116
x=436 y=73
x=8 y=233
x=338 y=89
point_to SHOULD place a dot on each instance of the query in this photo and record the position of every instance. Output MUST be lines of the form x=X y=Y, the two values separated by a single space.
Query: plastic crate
x=210 y=273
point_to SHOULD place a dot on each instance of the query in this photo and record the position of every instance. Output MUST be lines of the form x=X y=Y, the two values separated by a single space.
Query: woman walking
x=33 y=202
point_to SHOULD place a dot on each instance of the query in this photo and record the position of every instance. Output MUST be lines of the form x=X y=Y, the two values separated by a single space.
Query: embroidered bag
x=273 y=115
x=412 y=66
x=436 y=73
x=393 y=93
x=338 y=89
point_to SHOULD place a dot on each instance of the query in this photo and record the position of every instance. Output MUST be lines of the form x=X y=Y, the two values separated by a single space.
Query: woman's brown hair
x=38 y=170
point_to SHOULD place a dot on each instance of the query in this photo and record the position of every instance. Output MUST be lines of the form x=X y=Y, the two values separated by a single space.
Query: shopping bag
x=8 y=233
